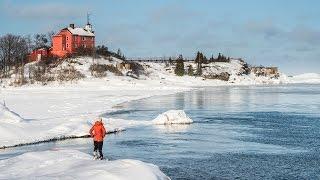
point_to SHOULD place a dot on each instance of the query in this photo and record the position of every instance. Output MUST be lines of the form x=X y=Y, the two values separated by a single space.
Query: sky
x=282 y=33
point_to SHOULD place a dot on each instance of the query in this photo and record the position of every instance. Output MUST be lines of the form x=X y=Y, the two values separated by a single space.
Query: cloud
x=172 y=13
x=267 y=28
x=305 y=35
x=46 y=11
x=299 y=35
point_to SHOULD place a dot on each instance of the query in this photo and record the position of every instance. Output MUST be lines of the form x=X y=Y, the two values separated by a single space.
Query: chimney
x=72 y=26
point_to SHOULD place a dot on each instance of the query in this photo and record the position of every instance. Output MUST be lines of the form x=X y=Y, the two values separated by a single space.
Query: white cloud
x=47 y=11
x=267 y=28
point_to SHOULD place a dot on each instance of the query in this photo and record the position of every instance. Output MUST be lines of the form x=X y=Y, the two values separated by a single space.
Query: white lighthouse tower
x=88 y=26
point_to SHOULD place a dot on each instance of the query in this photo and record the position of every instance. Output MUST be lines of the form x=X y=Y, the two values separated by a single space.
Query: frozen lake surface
x=249 y=132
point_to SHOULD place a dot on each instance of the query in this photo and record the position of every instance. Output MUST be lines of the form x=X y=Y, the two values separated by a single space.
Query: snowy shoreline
x=73 y=164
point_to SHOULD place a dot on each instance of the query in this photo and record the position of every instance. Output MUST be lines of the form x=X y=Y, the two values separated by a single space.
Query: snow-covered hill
x=235 y=69
x=78 y=69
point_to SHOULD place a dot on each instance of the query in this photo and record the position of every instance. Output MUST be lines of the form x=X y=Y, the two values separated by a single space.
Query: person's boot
x=95 y=155
x=101 y=156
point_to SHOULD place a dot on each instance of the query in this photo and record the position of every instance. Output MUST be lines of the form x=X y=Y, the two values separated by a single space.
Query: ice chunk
x=8 y=116
x=73 y=164
x=172 y=117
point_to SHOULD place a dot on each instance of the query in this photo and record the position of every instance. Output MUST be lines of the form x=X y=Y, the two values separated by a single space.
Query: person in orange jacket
x=98 y=132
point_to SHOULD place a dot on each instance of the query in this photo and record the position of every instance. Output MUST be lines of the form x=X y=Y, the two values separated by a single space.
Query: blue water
x=238 y=133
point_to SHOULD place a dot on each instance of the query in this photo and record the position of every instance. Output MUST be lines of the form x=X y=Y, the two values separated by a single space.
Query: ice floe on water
x=73 y=164
x=172 y=117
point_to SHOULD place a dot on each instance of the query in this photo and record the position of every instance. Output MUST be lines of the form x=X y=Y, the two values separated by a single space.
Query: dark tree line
x=199 y=61
x=220 y=58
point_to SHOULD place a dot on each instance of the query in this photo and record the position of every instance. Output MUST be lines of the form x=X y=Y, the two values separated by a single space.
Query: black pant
x=98 y=146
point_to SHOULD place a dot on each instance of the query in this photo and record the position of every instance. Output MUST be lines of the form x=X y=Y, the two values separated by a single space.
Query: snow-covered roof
x=80 y=31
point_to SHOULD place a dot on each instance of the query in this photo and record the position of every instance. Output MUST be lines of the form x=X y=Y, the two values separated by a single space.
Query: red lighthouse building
x=69 y=39
x=66 y=42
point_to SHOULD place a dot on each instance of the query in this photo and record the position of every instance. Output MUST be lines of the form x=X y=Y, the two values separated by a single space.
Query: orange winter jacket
x=98 y=131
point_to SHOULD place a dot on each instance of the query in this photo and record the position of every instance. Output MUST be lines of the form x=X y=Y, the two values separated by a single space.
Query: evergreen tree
x=211 y=59
x=102 y=50
x=170 y=61
x=190 y=70
x=179 y=71
x=119 y=52
x=199 y=61
x=219 y=57
x=223 y=58
x=205 y=60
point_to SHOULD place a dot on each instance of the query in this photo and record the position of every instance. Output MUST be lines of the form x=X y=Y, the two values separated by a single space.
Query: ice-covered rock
x=73 y=164
x=8 y=116
x=172 y=117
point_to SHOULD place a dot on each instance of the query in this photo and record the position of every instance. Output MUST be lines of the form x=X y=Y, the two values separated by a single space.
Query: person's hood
x=98 y=123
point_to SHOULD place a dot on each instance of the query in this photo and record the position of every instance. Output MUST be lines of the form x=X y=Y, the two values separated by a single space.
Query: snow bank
x=312 y=78
x=73 y=164
x=172 y=117
x=8 y=116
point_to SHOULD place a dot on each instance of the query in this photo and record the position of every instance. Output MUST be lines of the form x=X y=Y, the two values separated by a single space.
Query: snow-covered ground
x=312 y=78
x=33 y=113
x=73 y=164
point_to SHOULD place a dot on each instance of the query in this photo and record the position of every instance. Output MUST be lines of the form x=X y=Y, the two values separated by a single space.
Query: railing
x=156 y=59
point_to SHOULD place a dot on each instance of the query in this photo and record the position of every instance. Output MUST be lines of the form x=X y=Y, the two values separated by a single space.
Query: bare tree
x=30 y=42
x=13 y=52
x=6 y=50
x=49 y=37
